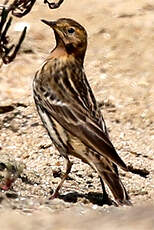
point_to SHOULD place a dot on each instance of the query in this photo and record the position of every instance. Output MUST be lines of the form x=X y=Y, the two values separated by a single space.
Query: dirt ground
x=120 y=68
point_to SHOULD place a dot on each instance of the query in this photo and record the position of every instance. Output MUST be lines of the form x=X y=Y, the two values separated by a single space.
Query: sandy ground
x=119 y=65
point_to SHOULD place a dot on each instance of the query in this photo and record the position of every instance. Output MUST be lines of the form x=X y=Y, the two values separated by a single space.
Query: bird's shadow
x=92 y=197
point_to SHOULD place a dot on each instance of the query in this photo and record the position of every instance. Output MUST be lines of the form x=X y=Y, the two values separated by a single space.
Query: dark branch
x=53 y=5
x=20 y=8
x=5 y=48
x=8 y=59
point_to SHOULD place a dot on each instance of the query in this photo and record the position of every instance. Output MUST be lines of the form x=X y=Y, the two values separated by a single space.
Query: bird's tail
x=108 y=173
x=117 y=188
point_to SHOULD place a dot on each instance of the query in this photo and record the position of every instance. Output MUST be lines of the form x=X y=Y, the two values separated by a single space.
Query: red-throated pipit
x=69 y=112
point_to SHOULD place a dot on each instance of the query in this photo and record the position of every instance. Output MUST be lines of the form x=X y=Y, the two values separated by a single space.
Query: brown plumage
x=68 y=109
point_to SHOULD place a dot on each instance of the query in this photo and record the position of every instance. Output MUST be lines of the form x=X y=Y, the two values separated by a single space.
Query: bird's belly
x=77 y=145
x=78 y=149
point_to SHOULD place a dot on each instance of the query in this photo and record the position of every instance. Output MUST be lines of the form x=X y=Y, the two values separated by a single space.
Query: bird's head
x=69 y=35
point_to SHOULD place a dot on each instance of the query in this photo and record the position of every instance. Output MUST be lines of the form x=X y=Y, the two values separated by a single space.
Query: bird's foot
x=54 y=195
x=107 y=200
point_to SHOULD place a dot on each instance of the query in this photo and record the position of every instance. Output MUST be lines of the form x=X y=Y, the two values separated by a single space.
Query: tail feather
x=109 y=174
x=116 y=186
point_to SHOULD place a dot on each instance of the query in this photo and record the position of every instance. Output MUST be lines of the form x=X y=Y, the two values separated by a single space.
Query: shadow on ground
x=92 y=197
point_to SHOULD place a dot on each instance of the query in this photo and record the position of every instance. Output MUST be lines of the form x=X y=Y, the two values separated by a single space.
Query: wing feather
x=86 y=129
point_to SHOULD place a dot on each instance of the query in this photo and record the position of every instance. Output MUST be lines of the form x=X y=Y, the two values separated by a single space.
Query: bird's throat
x=59 y=51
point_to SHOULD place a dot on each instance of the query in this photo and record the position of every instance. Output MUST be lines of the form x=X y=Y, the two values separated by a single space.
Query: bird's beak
x=56 y=29
x=52 y=24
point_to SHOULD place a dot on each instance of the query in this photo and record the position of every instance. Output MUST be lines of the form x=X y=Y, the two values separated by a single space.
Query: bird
x=68 y=109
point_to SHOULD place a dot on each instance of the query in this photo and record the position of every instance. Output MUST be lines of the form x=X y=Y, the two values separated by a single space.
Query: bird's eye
x=71 y=30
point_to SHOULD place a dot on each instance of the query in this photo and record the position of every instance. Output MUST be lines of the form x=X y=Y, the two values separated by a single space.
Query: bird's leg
x=68 y=169
x=106 y=198
x=103 y=188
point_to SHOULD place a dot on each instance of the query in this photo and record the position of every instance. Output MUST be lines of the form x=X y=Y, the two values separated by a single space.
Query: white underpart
x=50 y=129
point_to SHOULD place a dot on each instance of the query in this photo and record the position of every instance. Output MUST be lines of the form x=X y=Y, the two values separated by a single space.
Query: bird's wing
x=77 y=112
x=85 y=129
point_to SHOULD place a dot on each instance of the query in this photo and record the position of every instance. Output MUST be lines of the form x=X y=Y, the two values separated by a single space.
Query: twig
x=20 y=8
x=5 y=49
x=53 y=5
